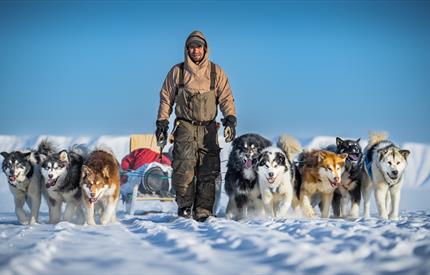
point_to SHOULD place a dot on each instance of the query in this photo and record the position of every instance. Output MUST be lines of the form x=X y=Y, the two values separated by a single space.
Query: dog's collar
x=394 y=184
x=274 y=190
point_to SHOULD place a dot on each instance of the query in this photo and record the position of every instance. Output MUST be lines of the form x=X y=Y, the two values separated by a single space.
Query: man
x=196 y=87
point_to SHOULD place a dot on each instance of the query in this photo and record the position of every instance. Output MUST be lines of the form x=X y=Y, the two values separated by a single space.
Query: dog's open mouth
x=50 y=183
x=334 y=184
x=391 y=176
x=354 y=157
x=12 y=178
x=93 y=200
x=248 y=163
x=271 y=180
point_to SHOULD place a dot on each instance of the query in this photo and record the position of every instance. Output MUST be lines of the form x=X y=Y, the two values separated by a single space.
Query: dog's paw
x=309 y=212
x=394 y=217
x=383 y=217
x=92 y=223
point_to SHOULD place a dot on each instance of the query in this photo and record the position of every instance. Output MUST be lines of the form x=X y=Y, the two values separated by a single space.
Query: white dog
x=275 y=179
x=384 y=165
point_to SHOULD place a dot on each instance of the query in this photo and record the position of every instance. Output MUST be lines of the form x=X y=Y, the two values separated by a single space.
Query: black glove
x=229 y=123
x=161 y=131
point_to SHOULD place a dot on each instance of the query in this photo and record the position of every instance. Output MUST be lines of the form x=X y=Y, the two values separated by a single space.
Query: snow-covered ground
x=156 y=241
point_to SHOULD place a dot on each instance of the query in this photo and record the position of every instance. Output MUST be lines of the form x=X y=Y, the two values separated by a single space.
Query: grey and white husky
x=384 y=166
x=23 y=174
x=61 y=176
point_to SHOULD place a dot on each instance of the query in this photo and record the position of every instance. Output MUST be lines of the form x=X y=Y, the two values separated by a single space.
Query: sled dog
x=241 y=178
x=276 y=179
x=349 y=189
x=320 y=174
x=100 y=186
x=384 y=167
x=61 y=177
x=23 y=175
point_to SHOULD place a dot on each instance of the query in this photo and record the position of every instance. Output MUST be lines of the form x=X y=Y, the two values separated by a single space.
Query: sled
x=138 y=189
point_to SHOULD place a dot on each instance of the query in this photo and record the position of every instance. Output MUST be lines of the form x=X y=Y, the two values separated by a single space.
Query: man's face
x=196 y=52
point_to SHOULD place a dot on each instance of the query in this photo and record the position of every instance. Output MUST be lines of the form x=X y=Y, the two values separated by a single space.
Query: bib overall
x=196 y=153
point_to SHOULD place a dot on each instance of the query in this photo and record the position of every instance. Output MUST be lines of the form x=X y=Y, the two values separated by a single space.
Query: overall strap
x=213 y=76
x=181 y=78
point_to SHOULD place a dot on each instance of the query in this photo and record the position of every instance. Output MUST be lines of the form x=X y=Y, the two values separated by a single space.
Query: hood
x=189 y=64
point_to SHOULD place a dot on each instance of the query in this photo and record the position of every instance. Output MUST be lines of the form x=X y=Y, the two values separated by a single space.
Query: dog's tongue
x=92 y=200
x=12 y=178
x=271 y=180
x=248 y=163
x=353 y=157
x=50 y=183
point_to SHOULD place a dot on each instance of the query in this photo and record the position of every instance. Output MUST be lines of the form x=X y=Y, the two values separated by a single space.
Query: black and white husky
x=349 y=189
x=241 y=178
x=384 y=166
x=23 y=174
x=61 y=176
x=276 y=177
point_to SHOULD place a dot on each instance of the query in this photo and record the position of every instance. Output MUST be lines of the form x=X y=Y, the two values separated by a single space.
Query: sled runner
x=145 y=176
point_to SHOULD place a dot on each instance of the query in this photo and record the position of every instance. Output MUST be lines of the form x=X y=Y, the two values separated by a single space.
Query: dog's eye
x=389 y=163
x=398 y=162
x=329 y=168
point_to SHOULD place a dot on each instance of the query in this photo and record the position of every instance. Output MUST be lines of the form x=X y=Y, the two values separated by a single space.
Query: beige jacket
x=196 y=77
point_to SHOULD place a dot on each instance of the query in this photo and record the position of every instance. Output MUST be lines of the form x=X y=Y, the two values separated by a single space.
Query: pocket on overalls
x=184 y=146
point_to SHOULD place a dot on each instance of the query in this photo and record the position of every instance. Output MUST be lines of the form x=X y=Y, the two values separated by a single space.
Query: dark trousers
x=196 y=166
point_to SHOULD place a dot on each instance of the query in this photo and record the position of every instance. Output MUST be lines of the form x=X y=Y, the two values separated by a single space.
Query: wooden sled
x=136 y=142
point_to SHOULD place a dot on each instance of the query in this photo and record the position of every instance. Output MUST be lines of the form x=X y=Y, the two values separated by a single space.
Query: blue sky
x=308 y=69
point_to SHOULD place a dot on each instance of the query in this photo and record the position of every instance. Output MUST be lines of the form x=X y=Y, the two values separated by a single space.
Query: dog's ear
x=4 y=154
x=405 y=153
x=105 y=172
x=339 y=141
x=64 y=156
x=381 y=153
x=27 y=155
x=343 y=156
x=321 y=156
x=358 y=140
x=85 y=171
x=280 y=159
x=261 y=160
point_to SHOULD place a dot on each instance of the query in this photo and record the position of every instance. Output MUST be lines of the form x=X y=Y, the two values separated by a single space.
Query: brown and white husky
x=320 y=174
x=100 y=186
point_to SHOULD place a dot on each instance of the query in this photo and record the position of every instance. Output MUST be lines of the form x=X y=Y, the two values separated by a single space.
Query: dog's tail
x=289 y=145
x=46 y=147
x=80 y=149
x=375 y=137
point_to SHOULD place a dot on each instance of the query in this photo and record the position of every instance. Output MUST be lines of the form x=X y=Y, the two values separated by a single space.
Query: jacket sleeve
x=224 y=94
x=167 y=95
